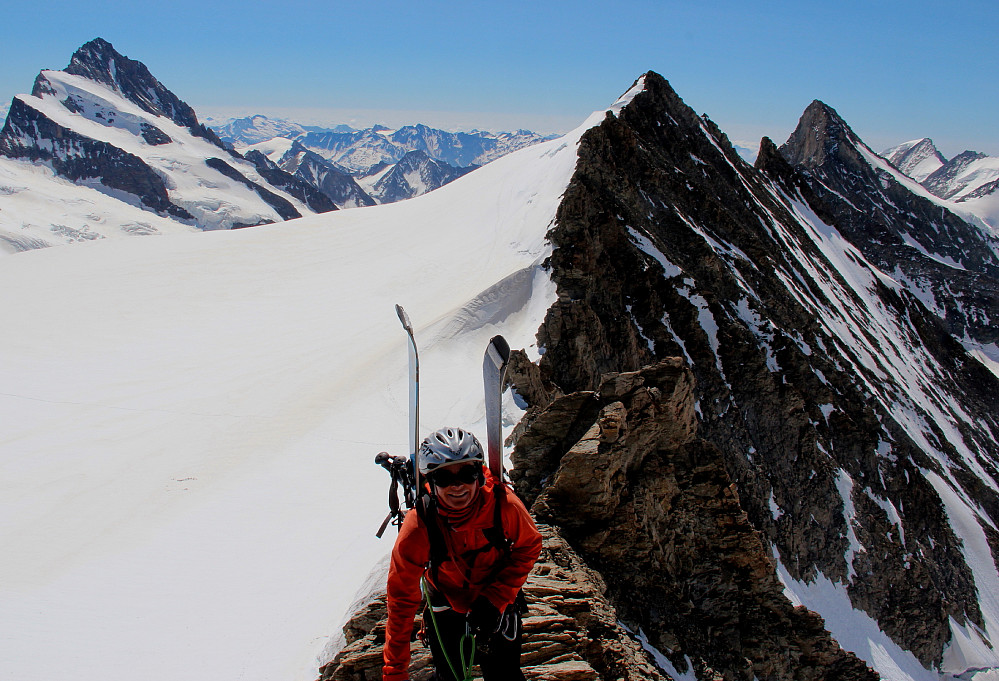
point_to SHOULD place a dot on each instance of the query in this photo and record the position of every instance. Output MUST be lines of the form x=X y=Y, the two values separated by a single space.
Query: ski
x=493 y=374
x=414 y=396
x=404 y=469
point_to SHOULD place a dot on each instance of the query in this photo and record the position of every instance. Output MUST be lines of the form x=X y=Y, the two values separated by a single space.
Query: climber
x=467 y=548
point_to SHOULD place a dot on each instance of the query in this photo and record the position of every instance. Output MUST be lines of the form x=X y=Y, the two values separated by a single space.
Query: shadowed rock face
x=904 y=234
x=667 y=244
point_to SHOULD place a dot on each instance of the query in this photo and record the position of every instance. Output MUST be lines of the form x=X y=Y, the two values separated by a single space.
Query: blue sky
x=894 y=70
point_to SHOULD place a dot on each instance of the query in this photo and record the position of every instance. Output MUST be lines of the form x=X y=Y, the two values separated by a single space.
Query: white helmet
x=448 y=446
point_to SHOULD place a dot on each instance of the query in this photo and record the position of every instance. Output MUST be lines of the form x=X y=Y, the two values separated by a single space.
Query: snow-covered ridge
x=273 y=148
x=216 y=201
x=916 y=158
x=39 y=208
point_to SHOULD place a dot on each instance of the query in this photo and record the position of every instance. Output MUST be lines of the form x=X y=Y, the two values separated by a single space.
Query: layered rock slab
x=571 y=632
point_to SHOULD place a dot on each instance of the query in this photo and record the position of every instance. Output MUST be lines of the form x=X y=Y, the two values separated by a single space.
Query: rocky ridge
x=637 y=492
x=640 y=494
x=667 y=244
x=571 y=631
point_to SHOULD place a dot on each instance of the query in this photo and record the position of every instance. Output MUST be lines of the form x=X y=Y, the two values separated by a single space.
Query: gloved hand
x=483 y=618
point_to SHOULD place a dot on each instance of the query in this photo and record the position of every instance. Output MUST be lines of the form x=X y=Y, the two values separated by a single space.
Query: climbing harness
x=466 y=639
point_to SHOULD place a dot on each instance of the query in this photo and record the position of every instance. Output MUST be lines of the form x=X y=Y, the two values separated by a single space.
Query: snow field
x=186 y=470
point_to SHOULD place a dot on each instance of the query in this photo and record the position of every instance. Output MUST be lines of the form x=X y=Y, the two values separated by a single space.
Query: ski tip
x=403 y=317
x=501 y=346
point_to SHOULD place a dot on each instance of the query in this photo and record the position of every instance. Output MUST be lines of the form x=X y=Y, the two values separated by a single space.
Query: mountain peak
x=98 y=61
x=820 y=133
x=916 y=158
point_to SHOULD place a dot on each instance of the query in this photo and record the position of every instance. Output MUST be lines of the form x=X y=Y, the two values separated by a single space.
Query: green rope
x=466 y=674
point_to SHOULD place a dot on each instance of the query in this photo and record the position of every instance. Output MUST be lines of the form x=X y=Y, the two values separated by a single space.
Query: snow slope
x=187 y=487
x=38 y=208
x=273 y=148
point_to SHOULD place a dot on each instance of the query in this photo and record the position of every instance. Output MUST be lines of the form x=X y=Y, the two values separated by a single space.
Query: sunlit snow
x=187 y=487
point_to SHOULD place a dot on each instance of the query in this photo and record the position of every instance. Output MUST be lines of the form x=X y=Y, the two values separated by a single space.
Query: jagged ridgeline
x=949 y=264
x=747 y=403
x=859 y=434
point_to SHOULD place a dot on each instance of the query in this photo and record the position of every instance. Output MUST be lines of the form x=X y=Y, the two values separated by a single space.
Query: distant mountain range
x=358 y=151
x=970 y=179
x=103 y=149
x=387 y=164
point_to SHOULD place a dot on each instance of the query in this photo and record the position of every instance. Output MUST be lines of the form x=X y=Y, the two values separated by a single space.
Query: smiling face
x=456 y=486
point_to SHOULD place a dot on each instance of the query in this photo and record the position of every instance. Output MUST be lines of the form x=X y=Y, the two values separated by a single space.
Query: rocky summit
x=950 y=264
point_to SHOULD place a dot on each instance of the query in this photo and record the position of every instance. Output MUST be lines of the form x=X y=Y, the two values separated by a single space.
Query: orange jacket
x=460 y=581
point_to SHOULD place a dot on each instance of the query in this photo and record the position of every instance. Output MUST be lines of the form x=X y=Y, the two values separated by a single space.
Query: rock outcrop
x=651 y=507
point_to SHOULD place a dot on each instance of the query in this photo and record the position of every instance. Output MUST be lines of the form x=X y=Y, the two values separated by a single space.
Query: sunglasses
x=465 y=475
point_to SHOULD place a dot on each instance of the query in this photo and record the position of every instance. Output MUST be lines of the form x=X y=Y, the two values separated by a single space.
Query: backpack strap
x=495 y=534
x=426 y=507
